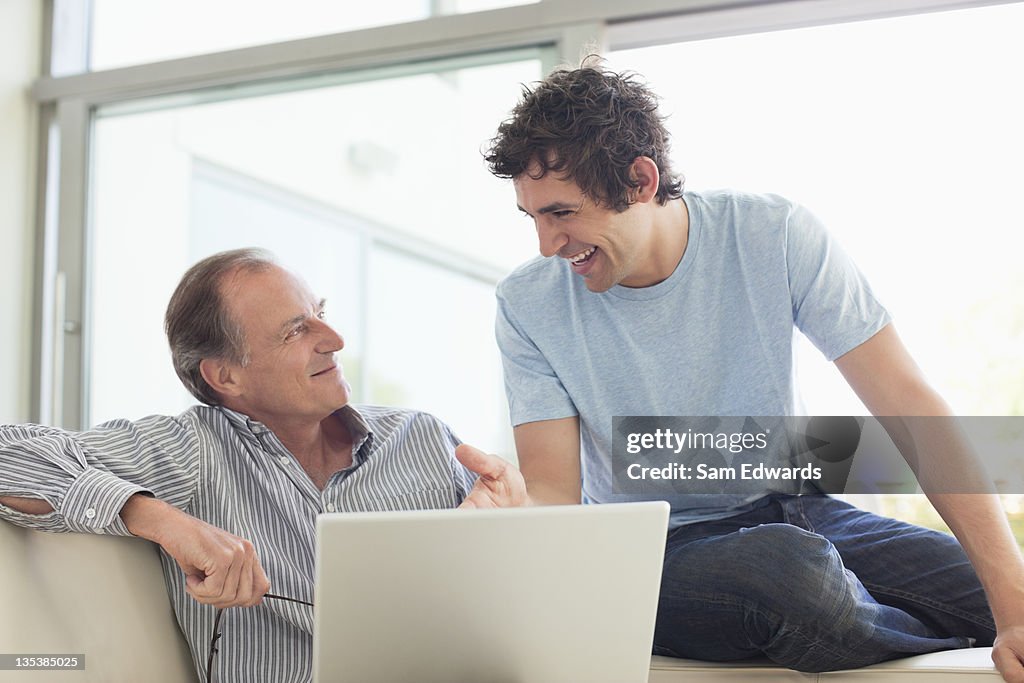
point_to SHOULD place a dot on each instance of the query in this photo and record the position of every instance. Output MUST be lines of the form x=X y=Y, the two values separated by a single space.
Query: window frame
x=564 y=30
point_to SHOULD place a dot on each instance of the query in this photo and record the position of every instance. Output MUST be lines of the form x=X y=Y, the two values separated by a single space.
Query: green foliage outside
x=916 y=509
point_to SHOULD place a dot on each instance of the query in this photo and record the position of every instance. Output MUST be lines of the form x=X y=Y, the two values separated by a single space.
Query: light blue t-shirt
x=715 y=338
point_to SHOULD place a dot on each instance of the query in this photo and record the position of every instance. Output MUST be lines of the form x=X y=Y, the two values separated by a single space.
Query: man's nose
x=330 y=341
x=551 y=238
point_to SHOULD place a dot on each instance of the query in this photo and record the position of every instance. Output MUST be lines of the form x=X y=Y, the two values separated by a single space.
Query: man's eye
x=322 y=315
x=563 y=214
x=293 y=334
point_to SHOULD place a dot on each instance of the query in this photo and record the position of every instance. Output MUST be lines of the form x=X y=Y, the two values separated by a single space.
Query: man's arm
x=28 y=506
x=221 y=569
x=548 y=450
x=79 y=481
x=554 y=477
x=889 y=383
x=549 y=458
x=102 y=480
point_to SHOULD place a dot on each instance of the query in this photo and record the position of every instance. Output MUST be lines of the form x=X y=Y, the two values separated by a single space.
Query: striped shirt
x=233 y=472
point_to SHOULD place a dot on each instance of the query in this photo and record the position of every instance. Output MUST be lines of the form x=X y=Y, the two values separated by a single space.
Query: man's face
x=292 y=371
x=603 y=246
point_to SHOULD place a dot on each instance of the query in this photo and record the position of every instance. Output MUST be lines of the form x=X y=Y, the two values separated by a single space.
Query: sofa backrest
x=101 y=596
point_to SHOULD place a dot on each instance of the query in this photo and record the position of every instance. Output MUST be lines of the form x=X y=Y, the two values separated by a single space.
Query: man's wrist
x=146 y=516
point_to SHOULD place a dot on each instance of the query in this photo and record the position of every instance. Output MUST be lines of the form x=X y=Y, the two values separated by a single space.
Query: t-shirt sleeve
x=833 y=305
x=534 y=391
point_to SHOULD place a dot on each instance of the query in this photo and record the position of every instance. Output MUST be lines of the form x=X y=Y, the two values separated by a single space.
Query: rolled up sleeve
x=87 y=477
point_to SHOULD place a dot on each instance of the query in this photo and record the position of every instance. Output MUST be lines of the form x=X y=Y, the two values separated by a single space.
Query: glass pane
x=126 y=32
x=429 y=350
x=904 y=136
x=317 y=176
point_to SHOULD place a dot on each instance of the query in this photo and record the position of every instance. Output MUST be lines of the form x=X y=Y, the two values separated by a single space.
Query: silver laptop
x=531 y=595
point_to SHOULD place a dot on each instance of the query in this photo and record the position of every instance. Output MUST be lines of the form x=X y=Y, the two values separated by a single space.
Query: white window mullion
x=68 y=302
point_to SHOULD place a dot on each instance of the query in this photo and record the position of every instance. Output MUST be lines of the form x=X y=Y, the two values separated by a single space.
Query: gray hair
x=198 y=324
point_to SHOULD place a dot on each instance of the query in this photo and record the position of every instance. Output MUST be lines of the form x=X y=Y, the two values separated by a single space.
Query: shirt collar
x=362 y=435
x=359 y=429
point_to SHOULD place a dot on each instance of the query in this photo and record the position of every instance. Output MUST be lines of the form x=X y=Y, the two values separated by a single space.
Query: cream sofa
x=104 y=597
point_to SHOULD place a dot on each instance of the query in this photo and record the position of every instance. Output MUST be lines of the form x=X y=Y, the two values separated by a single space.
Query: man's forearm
x=28 y=506
x=542 y=493
x=144 y=516
x=955 y=479
x=149 y=517
x=980 y=524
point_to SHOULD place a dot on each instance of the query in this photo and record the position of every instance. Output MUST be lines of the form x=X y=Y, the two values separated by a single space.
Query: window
x=901 y=133
x=127 y=32
x=904 y=135
x=373 y=189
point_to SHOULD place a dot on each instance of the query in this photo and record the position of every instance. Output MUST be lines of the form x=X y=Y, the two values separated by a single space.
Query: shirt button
x=283 y=459
x=90 y=513
x=330 y=507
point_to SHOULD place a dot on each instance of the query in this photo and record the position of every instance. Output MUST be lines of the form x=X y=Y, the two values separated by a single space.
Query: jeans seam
x=730 y=601
x=927 y=602
x=807 y=525
x=798 y=504
x=840 y=659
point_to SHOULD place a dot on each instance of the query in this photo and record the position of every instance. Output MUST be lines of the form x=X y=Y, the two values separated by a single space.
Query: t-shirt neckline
x=685 y=264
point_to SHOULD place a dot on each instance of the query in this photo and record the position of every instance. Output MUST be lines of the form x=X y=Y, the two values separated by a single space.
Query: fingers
x=484 y=464
x=219 y=582
x=224 y=586
x=1008 y=664
x=487 y=491
x=479 y=498
x=243 y=594
x=228 y=574
x=500 y=484
x=259 y=585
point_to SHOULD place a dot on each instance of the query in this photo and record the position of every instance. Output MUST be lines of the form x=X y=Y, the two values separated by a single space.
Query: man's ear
x=646 y=172
x=220 y=375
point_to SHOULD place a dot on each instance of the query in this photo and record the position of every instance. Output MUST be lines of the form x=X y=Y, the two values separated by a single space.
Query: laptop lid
x=526 y=595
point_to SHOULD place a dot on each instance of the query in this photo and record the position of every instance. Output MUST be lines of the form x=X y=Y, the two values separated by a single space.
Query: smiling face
x=604 y=246
x=292 y=373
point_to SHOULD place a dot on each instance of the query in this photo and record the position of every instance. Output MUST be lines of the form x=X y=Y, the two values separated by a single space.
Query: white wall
x=20 y=41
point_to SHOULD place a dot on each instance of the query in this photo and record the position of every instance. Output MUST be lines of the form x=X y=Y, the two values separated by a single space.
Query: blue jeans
x=815 y=584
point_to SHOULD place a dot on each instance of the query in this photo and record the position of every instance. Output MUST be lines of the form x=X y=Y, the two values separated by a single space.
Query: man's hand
x=1008 y=654
x=220 y=568
x=500 y=484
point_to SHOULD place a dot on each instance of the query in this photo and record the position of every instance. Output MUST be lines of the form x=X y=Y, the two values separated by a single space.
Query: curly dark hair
x=588 y=125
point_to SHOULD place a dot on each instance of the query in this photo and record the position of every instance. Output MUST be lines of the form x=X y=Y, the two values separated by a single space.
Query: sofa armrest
x=101 y=596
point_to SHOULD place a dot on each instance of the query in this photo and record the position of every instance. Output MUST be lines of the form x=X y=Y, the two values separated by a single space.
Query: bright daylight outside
x=386 y=212
x=904 y=136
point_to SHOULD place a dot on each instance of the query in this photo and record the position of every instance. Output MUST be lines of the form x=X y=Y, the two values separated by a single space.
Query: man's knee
x=789 y=554
x=776 y=569
x=745 y=589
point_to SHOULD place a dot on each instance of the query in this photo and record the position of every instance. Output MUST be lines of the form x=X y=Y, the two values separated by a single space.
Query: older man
x=230 y=490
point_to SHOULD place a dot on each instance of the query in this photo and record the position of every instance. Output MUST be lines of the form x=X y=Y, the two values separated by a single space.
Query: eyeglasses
x=217 y=633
